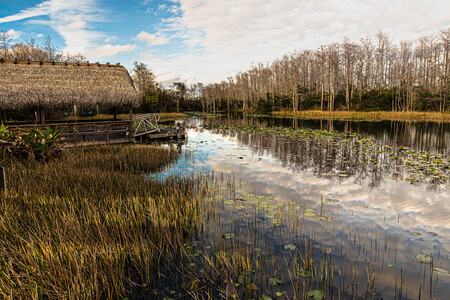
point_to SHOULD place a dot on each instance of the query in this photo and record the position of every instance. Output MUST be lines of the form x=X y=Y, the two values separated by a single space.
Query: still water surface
x=365 y=230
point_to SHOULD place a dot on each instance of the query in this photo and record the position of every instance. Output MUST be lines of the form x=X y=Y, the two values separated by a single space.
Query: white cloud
x=13 y=34
x=244 y=31
x=70 y=19
x=152 y=39
x=110 y=39
x=110 y=50
x=39 y=10
x=39 y=35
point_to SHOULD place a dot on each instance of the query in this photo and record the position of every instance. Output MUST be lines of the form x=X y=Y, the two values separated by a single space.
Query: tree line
x=157 y=98
x=31 y=51
x=371 y=74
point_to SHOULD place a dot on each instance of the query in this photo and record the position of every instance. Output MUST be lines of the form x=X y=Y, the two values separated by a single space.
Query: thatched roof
x=31 y=84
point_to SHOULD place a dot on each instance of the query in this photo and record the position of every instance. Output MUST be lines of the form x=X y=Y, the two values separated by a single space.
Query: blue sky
x=209 y=40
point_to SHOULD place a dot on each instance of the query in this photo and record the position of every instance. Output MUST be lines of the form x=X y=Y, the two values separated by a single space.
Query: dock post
x=178 y=132
x=107 y=133
x=2 y=180
x=41 y=115
x=130 y=126
x=74 y=131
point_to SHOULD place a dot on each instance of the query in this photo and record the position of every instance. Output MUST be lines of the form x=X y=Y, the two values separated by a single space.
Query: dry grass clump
x=173 y=115
x=372 y=115
x=90 y=225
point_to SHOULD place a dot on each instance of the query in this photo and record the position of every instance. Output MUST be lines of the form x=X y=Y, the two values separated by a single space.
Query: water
x=424 y=136
x=281 y=208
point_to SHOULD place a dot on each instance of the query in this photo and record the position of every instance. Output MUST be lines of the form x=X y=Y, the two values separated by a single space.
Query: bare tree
x=5 y=40
x=49 y=48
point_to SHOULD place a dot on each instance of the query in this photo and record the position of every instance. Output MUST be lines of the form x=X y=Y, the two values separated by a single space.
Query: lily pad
x=305 y=273
x=332 y=199
x=323 y=218
x=424 y=258
x=390 y=265
x=276 y=222
x=244 y=278
x=441 y=272
x=274 y=281
x=317 y=294
x=309 y=214
x=291 y=247
x=264 y=297
x=415 y=233
x=229 y=235
x=327 y=251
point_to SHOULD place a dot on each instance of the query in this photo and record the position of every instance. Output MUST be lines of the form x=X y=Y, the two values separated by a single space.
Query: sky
x=209 y=40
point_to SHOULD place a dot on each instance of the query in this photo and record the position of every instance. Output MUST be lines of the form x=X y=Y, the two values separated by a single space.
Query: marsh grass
x=368 y=116
x=89 y=224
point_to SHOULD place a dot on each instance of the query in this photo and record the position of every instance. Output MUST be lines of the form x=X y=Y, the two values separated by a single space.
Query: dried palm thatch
x=37 y=84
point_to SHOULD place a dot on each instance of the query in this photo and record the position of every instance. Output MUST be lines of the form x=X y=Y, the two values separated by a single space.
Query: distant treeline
x=372 y=74
x=29 y=50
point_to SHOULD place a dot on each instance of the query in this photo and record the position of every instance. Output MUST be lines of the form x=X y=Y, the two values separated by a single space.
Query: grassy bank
x=89 y=224
x=371 y=116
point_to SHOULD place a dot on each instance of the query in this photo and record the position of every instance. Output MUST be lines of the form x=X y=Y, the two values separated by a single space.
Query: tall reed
x=91 y=224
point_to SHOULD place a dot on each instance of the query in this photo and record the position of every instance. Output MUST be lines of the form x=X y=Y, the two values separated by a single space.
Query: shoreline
x=367 y=116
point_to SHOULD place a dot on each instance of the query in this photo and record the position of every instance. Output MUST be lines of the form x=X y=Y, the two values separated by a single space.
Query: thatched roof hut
x=38 y=84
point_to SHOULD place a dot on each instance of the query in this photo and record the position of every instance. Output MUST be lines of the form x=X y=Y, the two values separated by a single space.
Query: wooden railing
x=105 y=132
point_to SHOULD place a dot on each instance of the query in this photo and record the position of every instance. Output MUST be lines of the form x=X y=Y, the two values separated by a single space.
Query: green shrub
x=32 y=144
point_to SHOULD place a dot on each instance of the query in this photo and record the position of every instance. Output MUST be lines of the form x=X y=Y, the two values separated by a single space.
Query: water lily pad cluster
x=401 y=162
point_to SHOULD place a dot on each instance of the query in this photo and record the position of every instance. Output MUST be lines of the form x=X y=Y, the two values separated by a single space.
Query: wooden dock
x=166 y=134
x=89 y=133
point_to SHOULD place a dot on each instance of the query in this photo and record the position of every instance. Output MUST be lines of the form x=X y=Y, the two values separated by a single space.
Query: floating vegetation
x=441 y=272
x=304 y=273
x=316 y=294
x=424 y=258
x=404 y=164
x=274 y=281
x=229 y=235
x=291 y=247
